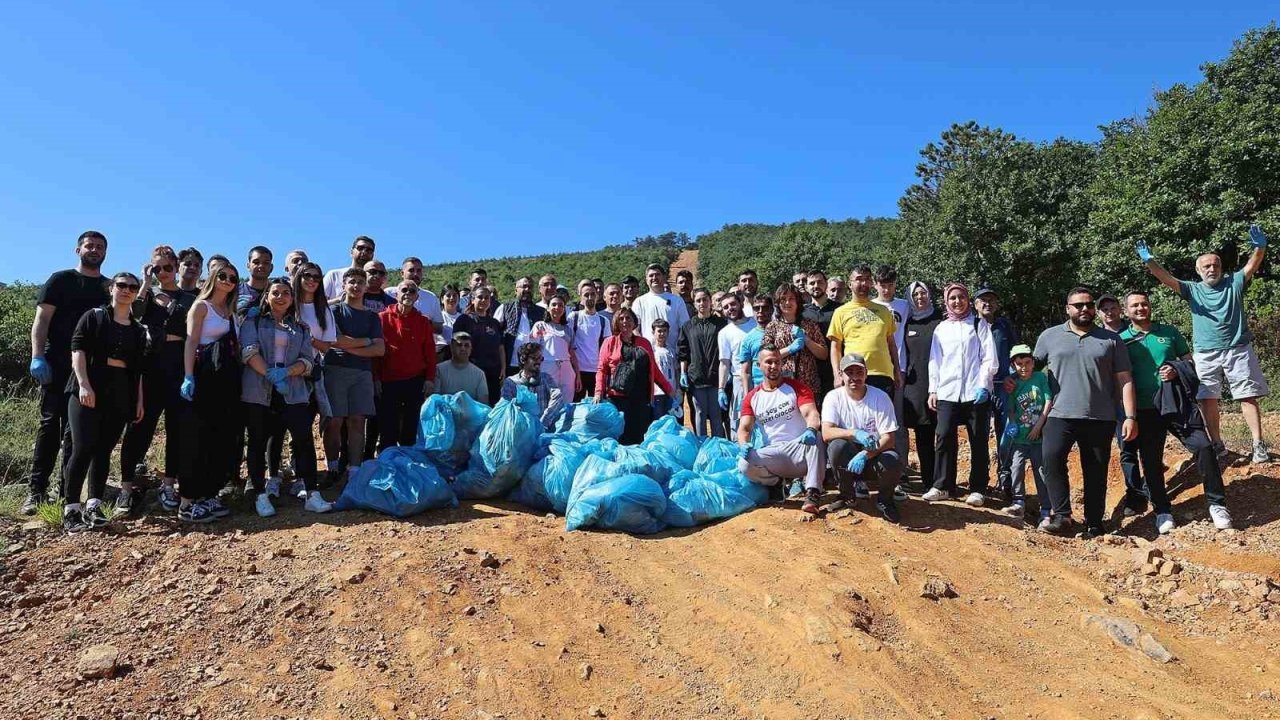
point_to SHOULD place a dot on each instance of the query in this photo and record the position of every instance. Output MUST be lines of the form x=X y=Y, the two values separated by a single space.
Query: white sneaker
x=1165 y=523
x=317 y=504
x=933 y=495
x=1260 y=454
x=1014 y=510
x=1044 y=524
x=273 y=486
x=1221 y=517
x=263 y=505
x=298 y=489
x=974 y=500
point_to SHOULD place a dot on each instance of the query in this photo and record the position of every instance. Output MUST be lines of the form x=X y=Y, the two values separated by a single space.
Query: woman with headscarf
x=917 y=416
x=962 y=365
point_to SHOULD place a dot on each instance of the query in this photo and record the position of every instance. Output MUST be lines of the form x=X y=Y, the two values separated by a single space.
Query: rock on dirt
x=1126 y=633
x=936 y=588
x=98 y=661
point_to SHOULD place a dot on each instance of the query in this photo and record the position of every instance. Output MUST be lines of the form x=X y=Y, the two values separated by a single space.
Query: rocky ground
x=488 y=611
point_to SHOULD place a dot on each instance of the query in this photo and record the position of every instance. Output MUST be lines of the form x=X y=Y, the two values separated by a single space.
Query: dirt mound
x=489 y=611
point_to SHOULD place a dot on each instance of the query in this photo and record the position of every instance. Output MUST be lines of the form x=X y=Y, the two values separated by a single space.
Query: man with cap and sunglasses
x=859 y=426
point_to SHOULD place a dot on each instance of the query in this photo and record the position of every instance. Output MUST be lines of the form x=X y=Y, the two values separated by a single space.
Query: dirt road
x=761 y=616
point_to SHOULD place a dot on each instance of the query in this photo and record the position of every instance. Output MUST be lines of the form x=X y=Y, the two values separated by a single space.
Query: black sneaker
x=95 y=517
x=216 y=508
x=196 y=512
x=1057 y=524
x=1093 y=531
x=811 y=498
x=889 y=511
x=126 y=502
x=73 y=522
x=33 y=502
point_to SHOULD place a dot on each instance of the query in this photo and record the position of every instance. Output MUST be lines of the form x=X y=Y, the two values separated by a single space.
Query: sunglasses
x=131 y=287
x=376 y=272
x=313 y=277
x=162 y=268
x=227 y=277
x=409 y=291
x=1083 y=305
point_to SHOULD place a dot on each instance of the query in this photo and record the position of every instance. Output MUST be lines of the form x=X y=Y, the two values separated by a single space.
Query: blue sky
x=464 y=130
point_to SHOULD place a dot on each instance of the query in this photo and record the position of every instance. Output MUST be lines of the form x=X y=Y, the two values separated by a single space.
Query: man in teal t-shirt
x=1224 y=353
x=1150 y=345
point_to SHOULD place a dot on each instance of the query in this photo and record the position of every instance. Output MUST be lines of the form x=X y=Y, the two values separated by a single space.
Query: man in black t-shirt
x=820 y=310
x=63 y=299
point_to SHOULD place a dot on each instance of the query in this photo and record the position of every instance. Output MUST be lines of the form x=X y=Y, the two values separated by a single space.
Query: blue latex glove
x=798 y=343
x=41 y=371
x=188 y=391
x=724 y=400
x=1257 y=238
x=281 y=386
x=809 y=437
x=865 y=439
x=1011 y=430
x=981 y=395
x=858 y=463
x=684 y=381
x=276 y=374
x=1144 y=252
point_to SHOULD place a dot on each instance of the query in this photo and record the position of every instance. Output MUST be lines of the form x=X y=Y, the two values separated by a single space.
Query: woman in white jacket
x=962 y=363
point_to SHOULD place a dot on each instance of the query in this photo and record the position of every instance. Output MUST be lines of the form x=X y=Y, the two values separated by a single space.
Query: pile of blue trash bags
x=466 y=450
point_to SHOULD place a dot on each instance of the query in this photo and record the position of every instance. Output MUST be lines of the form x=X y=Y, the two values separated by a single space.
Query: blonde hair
x=211 y=283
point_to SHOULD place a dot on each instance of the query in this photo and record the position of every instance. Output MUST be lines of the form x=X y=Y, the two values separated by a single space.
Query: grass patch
x=19 y=416
x=50 y=513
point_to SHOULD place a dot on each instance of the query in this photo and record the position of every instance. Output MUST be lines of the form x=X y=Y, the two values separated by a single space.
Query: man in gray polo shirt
x=1088 y=370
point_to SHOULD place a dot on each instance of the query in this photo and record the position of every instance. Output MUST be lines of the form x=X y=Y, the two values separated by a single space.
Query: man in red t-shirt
x=790 y=431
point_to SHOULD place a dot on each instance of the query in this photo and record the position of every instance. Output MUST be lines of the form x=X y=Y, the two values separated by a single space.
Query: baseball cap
x=1107 y=296
x=462 y=335
x=852 y=359
x=986 y=291
x=1018 y=350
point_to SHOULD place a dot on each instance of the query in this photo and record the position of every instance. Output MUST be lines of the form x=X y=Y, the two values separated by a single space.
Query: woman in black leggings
x=105 y=395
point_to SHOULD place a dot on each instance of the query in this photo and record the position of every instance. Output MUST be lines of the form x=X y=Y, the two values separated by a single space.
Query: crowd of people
x=821 y=382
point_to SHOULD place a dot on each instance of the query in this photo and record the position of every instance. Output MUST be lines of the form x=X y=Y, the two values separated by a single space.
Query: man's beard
x=1081 y=323
x=92 y=261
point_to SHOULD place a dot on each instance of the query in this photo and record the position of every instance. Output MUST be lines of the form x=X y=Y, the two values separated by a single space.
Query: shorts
x=1236 y=366
x=350 y=391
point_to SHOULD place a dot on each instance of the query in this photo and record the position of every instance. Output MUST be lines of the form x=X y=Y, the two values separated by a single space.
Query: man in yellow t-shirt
x=865 y=327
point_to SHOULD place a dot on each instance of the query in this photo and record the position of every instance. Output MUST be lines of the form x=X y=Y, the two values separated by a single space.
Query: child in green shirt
x=1029 y=406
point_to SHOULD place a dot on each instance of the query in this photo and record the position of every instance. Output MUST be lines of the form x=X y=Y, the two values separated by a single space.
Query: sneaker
x=169 y=497
x=1014 y=510
x=1221 y=517
x=317 y=504
x=73 y=521
x=94 y=516
x=33 y=502
x=934 y=495
x=1130 y=512
x=227 y=490
x=797 y=490
x=263 y=505
x=1165 y=523
x=837 y=505
x=860 y=490
x=1220 y=449
x=899 y=495
x=196 y=512
x=811 y=497
x=330 y=479
x=298 y=489
x=216 y=508
x=1093 y=531
x=974 y=499
x=1057 y=524
x=273 y=486
x=889 y=511
x=1044 y=525
x=1260 y=454
x=125 y=502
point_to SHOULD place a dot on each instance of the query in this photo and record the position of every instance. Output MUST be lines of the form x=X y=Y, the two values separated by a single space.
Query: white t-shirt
x=589 y=332
x=901 y=310
x=333 y=282
x=777 y=412
x=666 y=362
x=730 y=338
x=307 y=312
x=669 y=307
x=873 y=413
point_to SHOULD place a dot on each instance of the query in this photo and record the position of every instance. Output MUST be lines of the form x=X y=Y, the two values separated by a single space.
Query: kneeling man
x=858 y=425
x=784 y=411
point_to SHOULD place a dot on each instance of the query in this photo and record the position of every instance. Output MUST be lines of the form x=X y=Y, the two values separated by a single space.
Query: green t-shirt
x=1026 y=405
x=1147 y=352
x=1217 y=312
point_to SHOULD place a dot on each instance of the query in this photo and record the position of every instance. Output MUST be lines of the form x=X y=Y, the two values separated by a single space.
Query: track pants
x=707 y=419
x=974 y=417
x=53 y=432
x=774 y=463
x=399 y=408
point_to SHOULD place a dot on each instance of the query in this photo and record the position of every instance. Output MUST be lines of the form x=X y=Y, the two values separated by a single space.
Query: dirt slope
x=761 y=616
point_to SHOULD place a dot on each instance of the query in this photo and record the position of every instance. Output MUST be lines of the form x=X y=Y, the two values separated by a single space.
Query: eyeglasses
x=313 y=277
x=227 y=277
x=131 y=287
x=1083 y=305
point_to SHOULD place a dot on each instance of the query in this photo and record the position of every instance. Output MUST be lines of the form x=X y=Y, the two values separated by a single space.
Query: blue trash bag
x=595 y=469
x=548 y=483
x=400 y=482
x=630 y=503
x=716 y=455
x=678 y=441
x=502 y=454
x=592 y=420
x=694 y=499
x=447 y=428
x=654 y=463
